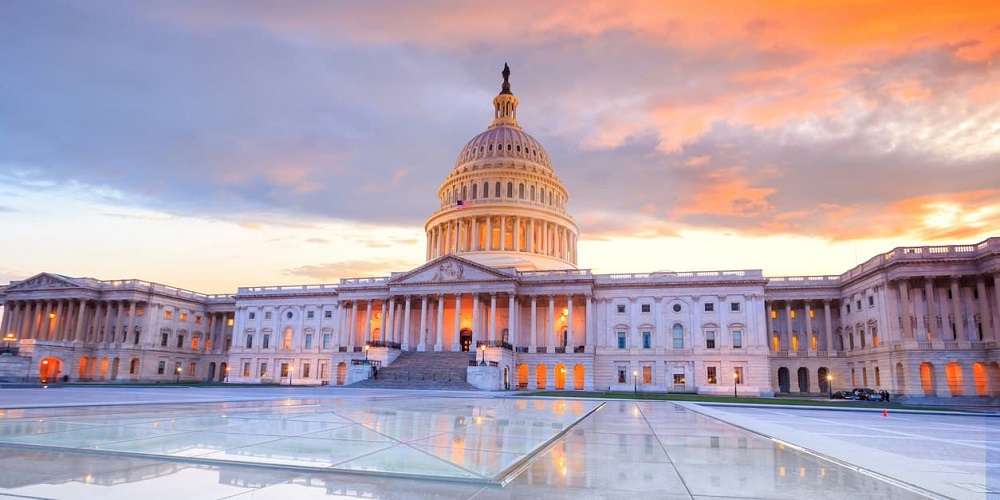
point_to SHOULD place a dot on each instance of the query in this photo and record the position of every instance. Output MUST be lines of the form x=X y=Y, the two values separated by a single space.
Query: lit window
x=712 y=375
x=679 y=379
x=183 y=316
x=647 y=375
x=168 y=314
x=774 y=314
x=739 y=374
x=263 y=369
x=246 y=369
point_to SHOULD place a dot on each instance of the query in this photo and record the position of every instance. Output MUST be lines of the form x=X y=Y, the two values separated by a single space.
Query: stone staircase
x=423 y=370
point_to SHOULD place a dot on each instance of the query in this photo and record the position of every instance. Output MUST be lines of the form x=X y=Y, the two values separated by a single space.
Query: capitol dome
x=502 y=204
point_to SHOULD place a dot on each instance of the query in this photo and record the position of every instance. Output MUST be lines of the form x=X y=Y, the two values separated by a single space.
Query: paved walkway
x=956 y=456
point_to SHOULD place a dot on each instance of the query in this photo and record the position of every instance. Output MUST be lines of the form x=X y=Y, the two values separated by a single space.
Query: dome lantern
x=505 y=103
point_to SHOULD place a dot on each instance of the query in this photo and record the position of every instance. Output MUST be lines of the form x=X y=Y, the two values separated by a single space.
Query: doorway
x=466 y=338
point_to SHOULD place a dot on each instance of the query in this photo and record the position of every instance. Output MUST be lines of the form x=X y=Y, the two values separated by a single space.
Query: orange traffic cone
x=885 y=412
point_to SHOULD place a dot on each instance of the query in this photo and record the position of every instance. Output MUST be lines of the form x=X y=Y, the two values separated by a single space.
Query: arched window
x=475 y=191
x=508 y=147
x=510 y=190
x=520 y=191
x=532 y=193
x=496 y=190
x=678 y=334
x=465 y=193
x=486 y=190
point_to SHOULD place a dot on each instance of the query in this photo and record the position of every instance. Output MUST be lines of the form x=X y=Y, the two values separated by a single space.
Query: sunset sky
x=218 y=144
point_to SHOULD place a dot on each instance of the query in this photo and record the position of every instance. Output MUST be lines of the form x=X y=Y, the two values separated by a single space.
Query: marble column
x=956 y=309
x=931 y=323
x=131 y=323
x=511 y=320
x=533 y=345
x=550 y=342
x=422 y=334
x=906 y=308
x=517 y=234
x=388 y=321
x=807 y=309
x=455 y=347
x=476 y=321
x=588 y=335
x=531 y=239
x=405 y=344
x=786 y=346
x=828 y=326
x=489 y=233
x=996 y=306
x=984 y=309
x=439 y=328
x=353 y=324
x=493 y=317
x=8 y=312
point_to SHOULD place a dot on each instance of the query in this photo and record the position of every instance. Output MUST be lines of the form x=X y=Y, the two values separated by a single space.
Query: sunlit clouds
x=213 y=145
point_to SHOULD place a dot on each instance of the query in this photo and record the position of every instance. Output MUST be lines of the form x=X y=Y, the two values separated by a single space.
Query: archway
x=803 y=376
x=927 y=379
x=541 y=376
x=84 y=362
x=522 y=376
x=900 y=378
x=980 y=379
x=821 y=375
x=579 y=377
x=560 y=374
x=133 y=368
x=115 y=363
x=341 y=373
x=465 y=337
x=49 y=369
x=211 y=371
x=784 y=384
x=953 y=374
x=376 y=334
x=104 y=367
x=223 y=372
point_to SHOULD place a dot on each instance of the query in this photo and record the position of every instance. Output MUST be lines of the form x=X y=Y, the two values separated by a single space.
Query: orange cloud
x=727 y=193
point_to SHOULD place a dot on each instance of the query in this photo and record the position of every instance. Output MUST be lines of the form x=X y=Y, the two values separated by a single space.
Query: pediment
x=450 y=269
x=43 y=281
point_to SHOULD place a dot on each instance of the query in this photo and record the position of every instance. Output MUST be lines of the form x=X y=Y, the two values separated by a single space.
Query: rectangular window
x=878 y=378
x=168 y=314
x=266 y=343
x=251 y=315
x=859 y=305
x=864 y=376
x=249 y=341
x=621 y=375
x=734 y=306
x=263 y=369
x=621 y=308
x=183 y=316
x=647 y=340
x=871 y=301
x=679 y=379
x=180 y=341
x=794 y=314
x=647 y=375
x=267 y=314
x=195 y=341
x=710 y=339
x=284 y=369
x=795 y=343
x=712 y=375
x=738 y=371
x=229 y=322
x=678 y=338
x=197 y=320
x=161 y=367
x=854 y=378
x=246 y=369
x=621 y=340
x=327 y=314
x=737 y=339
x=310 y=314
x=309 y=341
x=164 y=337
x=305 y=370
x=192 y=368
x=645 y=308
x=326 y=340
x=709 y=306
x=848 y=309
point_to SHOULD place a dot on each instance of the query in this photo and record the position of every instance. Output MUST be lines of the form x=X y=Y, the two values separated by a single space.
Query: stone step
x=423 y=370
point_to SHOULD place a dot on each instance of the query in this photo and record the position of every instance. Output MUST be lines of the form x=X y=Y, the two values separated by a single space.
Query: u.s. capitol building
x=502 y=285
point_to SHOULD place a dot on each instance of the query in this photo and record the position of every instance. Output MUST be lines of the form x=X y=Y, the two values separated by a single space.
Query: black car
x=843 y=395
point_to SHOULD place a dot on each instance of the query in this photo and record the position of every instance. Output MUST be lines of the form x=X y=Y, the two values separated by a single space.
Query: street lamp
x=366 y=351
x=177 y=371
x=227 y=373
x=736 y=379
x=829 y=384
x=9 y=338
x=482 y=349
x=290 y=370
x=635 y=382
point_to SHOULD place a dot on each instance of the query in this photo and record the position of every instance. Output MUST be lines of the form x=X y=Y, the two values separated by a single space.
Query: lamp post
x=366 y=351
x=482 y=349
x=829 y=384
x=177 y=372
x=227 y=374
x=635 y=382
x=9 y=338
x=736 y=380
x=290 y=370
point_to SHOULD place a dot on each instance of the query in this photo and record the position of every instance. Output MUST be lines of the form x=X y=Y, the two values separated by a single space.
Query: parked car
x=867 y=394
x=843 y=395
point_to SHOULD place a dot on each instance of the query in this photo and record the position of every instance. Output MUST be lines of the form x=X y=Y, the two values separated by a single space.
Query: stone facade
x=501 y=275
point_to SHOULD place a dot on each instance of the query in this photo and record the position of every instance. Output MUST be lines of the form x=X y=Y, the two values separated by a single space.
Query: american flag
x=460 y=204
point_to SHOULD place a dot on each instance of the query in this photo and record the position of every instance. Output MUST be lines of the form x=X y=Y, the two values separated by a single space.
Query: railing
x=285 y=289
x=364 y=281
x=559 y=273
x=522 y=349
x=449 y=207
x=579 y=349
x=367 y=362
x=679 y=276
x=494 y=343
x=494 y=364
x=383 y=343
x=561 y=350
x=12 y=350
